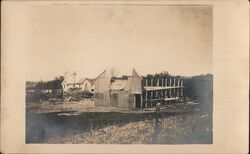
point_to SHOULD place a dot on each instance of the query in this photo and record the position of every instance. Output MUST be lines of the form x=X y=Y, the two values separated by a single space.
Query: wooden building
x=118 y=92
x=137 y=92
x=161 y=88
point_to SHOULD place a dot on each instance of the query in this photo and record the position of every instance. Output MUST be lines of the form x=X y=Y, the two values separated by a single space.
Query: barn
x=136 y=91
x=122 y=92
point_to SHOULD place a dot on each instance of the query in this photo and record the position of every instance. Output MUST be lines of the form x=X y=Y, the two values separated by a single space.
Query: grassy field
x=82 y=122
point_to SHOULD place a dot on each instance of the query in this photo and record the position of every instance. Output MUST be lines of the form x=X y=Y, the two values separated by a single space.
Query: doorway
x=137 y=100
x=114 y=100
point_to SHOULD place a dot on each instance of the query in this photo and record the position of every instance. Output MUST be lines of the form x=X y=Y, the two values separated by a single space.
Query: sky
x=90 y=38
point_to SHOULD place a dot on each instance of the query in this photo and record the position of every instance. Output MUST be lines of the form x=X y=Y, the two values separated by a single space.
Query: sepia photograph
x=124 y=76
x=119 y=74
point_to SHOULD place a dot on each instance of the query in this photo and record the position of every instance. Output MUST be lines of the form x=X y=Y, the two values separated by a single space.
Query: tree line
x=199 y=87
x=55 y=84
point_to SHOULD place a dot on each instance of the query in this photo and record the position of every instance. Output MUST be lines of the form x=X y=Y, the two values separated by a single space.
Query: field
x=84 y=123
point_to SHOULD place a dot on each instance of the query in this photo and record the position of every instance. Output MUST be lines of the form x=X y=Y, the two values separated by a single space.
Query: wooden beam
x=165 y=99
x=141 y=102
x=160 y=88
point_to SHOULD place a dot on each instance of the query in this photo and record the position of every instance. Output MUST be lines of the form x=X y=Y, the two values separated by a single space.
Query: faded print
x=120 y=74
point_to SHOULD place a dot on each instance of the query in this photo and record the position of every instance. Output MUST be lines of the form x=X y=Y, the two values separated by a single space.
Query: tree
x=51 y=85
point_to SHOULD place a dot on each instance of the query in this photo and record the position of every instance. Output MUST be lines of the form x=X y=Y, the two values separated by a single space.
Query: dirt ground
x=87 y=105
x=171 y=130
x=84 y=123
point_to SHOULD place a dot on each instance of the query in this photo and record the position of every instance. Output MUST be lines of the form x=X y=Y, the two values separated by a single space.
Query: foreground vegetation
x=177 y=129
x=76 y=127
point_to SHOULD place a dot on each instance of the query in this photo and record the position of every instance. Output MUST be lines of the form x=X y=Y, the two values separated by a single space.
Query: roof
x=90 y=80
x=73 y=80
x=135 y=74
x=81 y=80
x=103 y=74
x=118 y=85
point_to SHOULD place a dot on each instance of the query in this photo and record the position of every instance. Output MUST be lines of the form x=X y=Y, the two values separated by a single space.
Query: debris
x=192 y=103
x=69 y=99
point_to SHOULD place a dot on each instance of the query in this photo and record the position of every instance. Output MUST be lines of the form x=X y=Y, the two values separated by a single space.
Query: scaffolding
x=163 y=90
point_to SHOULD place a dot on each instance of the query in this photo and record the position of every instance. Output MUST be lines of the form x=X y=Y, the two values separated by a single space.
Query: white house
x=88 y=85
x=73 y=82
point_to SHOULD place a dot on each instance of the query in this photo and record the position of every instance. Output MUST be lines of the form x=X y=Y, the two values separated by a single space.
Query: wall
x=101 y=94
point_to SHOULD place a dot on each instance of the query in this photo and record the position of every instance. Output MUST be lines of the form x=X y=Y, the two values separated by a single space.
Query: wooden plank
x=160 y=88
x=166 y=99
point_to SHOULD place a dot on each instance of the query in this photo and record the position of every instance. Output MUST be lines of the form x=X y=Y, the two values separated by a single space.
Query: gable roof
x=81 y=80
x=135 y=74
x=91 y=81
x=103 y=74
x=73 y=80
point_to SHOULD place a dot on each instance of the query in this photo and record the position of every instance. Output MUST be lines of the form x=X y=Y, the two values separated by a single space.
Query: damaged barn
x=136 y=91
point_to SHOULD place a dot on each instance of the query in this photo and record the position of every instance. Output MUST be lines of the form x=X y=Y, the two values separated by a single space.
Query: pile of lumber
x=76 y=95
